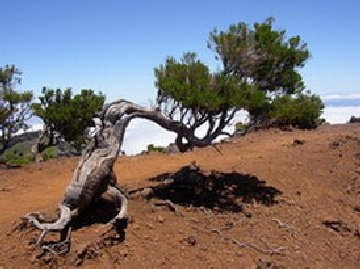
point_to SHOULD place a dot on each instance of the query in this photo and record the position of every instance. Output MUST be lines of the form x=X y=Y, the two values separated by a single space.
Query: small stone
x=357 y=233
x=191 y=240
x=36 y=256
x=298 y=142
x=124 y=252
x=146 y=192
x=160 y=219
x=131 y=220
x=248 y=215
x=29 y=247
x=194 y=220
x=230 y=260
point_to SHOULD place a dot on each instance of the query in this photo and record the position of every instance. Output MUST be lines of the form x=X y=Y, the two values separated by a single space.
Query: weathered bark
x=94 y=176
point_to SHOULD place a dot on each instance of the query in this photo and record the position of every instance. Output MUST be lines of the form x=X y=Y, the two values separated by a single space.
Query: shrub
x=19 y=154
x=49 y=153
x=152 y=148
x=302 y=111
x=239 y=126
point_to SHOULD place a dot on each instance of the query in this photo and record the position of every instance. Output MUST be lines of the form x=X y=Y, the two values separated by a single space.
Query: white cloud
x=340 y=114
x=341 y=96
x=141 y=133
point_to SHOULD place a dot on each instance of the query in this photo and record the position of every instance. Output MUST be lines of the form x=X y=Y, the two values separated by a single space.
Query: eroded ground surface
x=271 y=199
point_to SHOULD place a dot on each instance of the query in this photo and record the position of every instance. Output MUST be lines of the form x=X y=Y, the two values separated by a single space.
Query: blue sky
x=113 y=46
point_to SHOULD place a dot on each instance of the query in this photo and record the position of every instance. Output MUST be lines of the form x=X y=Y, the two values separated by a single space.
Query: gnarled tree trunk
x=94 y=175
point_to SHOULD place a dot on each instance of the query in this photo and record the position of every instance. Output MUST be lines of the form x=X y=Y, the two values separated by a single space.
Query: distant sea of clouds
x=140 y=133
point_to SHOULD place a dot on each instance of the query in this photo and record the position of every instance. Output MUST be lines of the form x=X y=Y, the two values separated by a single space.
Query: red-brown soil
x=272 y=203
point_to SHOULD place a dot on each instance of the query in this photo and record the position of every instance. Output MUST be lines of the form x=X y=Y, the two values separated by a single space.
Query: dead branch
x=170 y=205
x=284 y=225
x=228 y=226
x=267 y=251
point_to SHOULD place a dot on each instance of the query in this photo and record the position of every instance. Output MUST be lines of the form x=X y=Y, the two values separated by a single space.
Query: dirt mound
x=270 y=199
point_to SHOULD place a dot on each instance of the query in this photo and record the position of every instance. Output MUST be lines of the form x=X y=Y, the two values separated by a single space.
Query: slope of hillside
x=270 y=199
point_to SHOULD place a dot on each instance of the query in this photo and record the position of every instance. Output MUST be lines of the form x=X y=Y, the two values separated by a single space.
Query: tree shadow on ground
x=98 y=213
x=216 y=190
x=101 y=212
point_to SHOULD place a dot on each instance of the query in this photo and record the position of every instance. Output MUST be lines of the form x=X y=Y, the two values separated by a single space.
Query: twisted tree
x=193 y=96
x=94 y=176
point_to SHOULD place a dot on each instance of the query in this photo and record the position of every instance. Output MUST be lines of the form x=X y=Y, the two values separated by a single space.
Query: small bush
x=49 y=153
x=19 y=154
x=303 y=111
x=152 y=148
x=239 y=126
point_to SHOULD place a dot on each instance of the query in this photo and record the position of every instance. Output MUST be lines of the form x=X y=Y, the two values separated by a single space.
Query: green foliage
x=152 y=148
x=67 y=115
x=258 y=62
x=49 y=153
x=190 y=93
x=303 y=111
x=14 y=106
x=19 y=154
x=189 y=82
x=261 y=55
x=239 y=126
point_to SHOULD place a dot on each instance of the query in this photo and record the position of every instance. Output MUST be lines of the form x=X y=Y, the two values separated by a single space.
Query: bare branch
x=268 y=251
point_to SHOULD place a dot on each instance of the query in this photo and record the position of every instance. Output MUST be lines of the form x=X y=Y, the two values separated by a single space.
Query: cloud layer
x=140 y=133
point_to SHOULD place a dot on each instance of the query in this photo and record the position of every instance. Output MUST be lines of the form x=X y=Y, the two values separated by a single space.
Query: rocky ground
x=271 y=199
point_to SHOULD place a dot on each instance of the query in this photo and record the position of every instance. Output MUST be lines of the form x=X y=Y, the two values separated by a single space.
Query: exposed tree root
x=59 y=225
x=60 y=247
